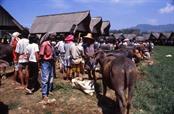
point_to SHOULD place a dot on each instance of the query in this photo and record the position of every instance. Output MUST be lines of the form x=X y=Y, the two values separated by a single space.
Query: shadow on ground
x=107 y=105
x=3 y=108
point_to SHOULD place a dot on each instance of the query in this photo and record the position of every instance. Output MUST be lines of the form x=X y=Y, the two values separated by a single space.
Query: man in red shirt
x=46 y=55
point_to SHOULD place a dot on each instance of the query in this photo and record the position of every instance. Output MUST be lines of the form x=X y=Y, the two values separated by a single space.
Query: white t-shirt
x=76 y=51
x=31 y=50
x=21 y=49
x=60 y=46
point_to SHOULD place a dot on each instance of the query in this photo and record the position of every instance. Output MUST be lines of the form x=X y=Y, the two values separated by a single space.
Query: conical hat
x=89 y=36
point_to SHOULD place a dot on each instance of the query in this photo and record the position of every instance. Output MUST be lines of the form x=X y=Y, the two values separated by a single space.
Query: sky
x=120 y=13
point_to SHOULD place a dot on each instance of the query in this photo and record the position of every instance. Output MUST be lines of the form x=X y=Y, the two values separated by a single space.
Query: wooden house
x=105 y=28
x=74 y=22
x=8 y=24
x=95 y=26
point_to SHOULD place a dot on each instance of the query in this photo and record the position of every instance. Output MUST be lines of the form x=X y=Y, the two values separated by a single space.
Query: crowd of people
x=75 y=56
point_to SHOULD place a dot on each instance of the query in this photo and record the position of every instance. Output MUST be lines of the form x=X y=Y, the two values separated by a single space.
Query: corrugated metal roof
x=59 y=22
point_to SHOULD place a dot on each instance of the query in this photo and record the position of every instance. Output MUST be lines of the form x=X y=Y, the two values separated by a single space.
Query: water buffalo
x=3 y=65
x=6 y=53
x=131 y=52
x=119 y=74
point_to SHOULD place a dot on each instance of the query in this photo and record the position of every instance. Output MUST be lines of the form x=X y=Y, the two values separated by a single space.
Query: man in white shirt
x=60 y=48
x=22 y=59
x=77 y=54
x=33 y=56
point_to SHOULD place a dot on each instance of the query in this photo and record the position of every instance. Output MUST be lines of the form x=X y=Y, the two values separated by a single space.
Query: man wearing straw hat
x=89 y=54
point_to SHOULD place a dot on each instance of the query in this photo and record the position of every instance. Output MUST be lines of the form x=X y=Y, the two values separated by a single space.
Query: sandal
x=44 y=101
x=51 y=101
x=20 y=88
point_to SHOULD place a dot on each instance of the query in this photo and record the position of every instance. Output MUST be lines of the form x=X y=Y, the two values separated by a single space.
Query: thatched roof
x=95 y=25
x=167 y=35
x=147 y=36
x=7 y=22
x=141 y=38
x=156 y=35
x=172 y=35
x=130 y=36
x=118 y=35
x=110 y=39
x=105 y=27
x=62 y=23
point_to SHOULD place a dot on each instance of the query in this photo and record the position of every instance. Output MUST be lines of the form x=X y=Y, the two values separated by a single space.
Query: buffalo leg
x=122 y=101
x=89 y=74
x=104 y=88
x=94 y=76
x=130 y=94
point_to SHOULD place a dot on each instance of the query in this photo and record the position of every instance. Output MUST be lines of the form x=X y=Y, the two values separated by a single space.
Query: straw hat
x=89 y=36
x=16 y=34
x=69 y=38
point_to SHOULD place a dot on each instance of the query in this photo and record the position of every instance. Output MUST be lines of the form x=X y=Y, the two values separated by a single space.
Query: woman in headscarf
x=68 y=44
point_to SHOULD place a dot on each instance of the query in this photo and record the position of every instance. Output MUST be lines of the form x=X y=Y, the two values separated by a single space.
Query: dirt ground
x=68 y=100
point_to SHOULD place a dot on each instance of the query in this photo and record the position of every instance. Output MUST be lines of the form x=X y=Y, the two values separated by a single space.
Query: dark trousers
x=33 y=75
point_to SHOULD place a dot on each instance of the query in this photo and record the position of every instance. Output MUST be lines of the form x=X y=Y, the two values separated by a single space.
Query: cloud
x=60 y=4
x=128 y=2
x=168 y=9
x=152 y=21
x=115 y=1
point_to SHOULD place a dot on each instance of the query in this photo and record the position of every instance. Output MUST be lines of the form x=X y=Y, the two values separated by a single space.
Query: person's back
x=13 y=43
x=31 y=50
x=46 y=50
x=76 y=51
x=22 y=59
x=33 y=57
x=60 y=46
x=67 y=49
x=21 y=49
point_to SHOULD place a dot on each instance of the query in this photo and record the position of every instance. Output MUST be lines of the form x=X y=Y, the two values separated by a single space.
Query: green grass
x=154 y=94
x=13 y=105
